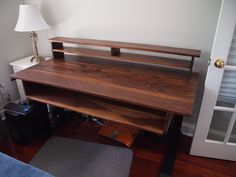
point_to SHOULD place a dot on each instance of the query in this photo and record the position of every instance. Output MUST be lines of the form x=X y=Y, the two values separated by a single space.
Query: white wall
x=179 y=23
x=13 y=45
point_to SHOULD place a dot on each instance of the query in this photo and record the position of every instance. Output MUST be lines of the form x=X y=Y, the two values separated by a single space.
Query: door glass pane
x=227 y=93
x=219 y=125
x=224 y=103
x=232 y=138
x=232 y=53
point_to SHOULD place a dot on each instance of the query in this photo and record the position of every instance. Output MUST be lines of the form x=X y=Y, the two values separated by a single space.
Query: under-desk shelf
x=146 y=119
x=130 y=57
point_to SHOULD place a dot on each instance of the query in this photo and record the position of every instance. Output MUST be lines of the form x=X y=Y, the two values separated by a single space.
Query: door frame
x=221 y=47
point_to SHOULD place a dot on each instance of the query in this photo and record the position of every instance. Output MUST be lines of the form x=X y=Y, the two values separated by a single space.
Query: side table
x=19 y=65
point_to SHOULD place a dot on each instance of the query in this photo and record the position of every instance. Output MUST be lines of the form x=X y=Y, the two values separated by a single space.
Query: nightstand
x=19 y=65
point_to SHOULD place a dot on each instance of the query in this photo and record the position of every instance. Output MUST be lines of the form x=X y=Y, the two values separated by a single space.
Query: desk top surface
x=144 y=85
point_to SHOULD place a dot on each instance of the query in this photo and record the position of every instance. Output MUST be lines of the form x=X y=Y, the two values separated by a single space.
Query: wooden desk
x=141 y=95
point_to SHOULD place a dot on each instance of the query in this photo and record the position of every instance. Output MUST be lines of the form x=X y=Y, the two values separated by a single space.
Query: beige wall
x=13 y=45
x=179 y=23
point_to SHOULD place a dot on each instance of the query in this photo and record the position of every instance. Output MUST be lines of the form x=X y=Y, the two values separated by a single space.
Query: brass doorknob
x=219 y=63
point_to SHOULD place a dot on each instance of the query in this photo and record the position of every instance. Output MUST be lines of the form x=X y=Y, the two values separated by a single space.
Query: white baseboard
x=188 y=130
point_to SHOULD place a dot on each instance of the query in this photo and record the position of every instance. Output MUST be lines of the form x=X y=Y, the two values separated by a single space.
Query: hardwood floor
x=148 y=152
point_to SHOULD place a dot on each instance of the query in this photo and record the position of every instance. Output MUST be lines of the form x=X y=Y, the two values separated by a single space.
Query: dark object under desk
x=27 y=122
x=150 y=97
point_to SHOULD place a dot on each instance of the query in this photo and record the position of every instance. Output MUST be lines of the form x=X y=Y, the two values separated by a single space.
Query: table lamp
x=30 y=20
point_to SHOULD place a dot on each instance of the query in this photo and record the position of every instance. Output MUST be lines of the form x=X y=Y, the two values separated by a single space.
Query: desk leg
x=172 y=144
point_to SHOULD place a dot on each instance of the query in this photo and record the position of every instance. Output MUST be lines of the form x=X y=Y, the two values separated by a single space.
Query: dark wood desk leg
x=172 y=144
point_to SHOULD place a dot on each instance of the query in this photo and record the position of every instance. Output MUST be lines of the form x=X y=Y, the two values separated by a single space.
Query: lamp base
x=36 y=59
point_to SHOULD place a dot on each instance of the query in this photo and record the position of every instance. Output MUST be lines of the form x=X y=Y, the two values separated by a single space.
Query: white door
x=215 y=134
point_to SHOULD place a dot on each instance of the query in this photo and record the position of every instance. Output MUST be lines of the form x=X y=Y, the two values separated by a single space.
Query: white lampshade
x=30 y=19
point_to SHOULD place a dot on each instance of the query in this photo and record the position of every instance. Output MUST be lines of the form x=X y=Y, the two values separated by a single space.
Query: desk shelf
x=128 y=45
x=129 y=57
x=60 y=50
x=146 y=119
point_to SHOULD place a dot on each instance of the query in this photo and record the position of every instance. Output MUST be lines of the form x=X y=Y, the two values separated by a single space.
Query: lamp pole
x=34 y=38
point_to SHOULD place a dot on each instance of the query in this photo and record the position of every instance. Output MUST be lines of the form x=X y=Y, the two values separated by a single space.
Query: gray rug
x=64 y=157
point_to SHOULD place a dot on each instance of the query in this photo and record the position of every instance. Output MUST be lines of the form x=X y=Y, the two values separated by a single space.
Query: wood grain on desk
x=151 y=87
